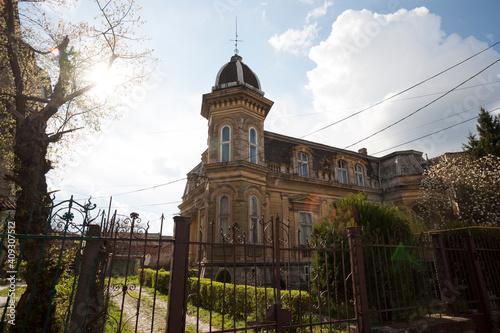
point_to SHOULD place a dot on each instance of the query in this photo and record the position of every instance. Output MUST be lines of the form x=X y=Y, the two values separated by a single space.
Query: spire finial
x=236 y=40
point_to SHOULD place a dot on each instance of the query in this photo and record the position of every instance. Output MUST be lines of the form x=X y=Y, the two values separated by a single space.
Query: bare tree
x=48 y=93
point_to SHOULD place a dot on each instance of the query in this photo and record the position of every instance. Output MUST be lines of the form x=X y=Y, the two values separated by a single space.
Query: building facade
x=247 y=173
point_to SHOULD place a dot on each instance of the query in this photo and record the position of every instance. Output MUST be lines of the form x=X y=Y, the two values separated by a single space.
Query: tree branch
x=11 y=108
x=12 y=51
x=57 y=136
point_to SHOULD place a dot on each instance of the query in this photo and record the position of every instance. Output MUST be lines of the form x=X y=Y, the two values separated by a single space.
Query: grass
x=112 y=325
x=204 y=315
x=19 y=291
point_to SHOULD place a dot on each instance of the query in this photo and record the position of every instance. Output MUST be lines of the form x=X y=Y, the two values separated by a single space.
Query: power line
x=441 y=130
x=401 y=92
x=139 y=190
x=149 y=188
x=397 y=100
x=423 y=107
x=434 y=121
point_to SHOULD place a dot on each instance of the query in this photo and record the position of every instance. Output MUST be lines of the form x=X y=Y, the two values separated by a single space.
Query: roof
x=235 y=73
x=278 y=148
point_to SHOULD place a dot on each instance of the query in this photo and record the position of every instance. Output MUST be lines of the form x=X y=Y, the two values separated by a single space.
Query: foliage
x=240 y=301
x=488 y=143
x=354 y=210
x=462 y=192
x=329 y=270
x=63 y=290
x=162 y=278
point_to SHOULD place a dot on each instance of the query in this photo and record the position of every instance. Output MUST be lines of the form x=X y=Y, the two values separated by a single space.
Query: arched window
x=360 y=180
x=302 y=164
x=342 y=171
x=254 y=220
x=223 y=215
x=225 y=144
x=252 y=145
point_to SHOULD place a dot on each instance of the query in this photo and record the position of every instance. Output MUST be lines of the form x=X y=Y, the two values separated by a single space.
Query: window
x=302 y=165
x=254 y=220
x=342 y=171
x=252 y=146
x=223 y=216
x=305 y=227
x=225 y=144
x=360 y=181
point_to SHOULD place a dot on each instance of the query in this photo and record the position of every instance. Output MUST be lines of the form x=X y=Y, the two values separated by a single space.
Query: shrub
x=163 y=281
x=240 y=301
x=148 y=278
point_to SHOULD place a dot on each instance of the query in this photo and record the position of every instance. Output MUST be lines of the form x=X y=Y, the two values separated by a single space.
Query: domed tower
x=229 y=186
x=236 y=109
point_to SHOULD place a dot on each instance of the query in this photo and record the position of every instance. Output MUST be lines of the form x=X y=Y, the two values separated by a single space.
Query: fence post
x=448 y=295
x=83 y=304
x=359 y=280
x=478 y=279
x=179 y=269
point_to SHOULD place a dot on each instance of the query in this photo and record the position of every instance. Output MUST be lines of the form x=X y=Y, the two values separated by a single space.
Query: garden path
x=145 y=317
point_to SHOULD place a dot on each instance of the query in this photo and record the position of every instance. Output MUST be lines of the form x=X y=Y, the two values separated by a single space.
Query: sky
x=319 y=61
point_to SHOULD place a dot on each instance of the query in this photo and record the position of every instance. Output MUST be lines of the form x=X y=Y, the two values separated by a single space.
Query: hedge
x=242 y=301
x=238 y=301
x=149 y=278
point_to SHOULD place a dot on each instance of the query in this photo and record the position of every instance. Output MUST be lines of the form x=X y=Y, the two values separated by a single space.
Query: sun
x=106 y=79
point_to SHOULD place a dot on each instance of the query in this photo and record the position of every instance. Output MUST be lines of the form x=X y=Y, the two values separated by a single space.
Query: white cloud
x=368 y=57
x=295 y=41
x=319 y=12
x=300 y=41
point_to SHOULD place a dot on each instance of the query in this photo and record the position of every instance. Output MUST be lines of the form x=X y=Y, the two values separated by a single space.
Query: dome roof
x=236 y=73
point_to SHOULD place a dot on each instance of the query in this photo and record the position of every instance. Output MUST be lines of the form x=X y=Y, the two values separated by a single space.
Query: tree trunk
x=31 y=166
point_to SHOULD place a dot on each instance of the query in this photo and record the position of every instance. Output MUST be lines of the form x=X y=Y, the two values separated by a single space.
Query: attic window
x=342 y=171
x=302 y=164
x=360 y=180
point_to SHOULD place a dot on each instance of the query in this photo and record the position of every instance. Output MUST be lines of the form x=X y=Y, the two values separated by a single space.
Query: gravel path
x=146 y=313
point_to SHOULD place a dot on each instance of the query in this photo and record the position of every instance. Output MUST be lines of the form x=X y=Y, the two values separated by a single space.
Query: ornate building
x=247 y=173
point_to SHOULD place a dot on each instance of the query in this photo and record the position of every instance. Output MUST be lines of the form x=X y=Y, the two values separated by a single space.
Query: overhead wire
x=434 y=121
x=438 y=131
x=423 y=107
x=401 y=92
x=393 y=101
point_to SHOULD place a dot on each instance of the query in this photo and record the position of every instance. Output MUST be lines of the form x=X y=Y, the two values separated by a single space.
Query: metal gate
x=469 y=275
x=94 y=280
x=262 y=281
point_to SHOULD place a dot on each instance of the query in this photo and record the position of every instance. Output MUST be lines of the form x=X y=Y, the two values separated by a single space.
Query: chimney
x=363 y=151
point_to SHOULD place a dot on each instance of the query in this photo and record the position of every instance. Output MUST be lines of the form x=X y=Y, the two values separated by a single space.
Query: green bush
x=240 y=301
x=163 y=281
x=388 y=254
x=148 y=278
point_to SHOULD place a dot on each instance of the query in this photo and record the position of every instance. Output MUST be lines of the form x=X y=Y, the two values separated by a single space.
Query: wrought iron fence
x=468 y=262
x=92 y=282
x=401 y=276
x=266 y=283
x=228 y=281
